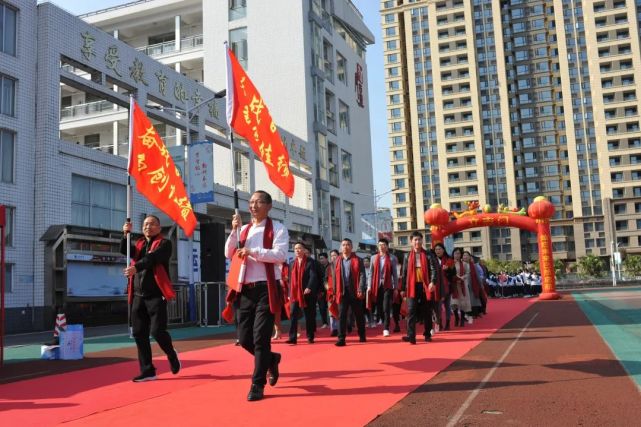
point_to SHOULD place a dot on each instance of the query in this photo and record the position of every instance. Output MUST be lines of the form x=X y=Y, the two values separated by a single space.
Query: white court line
x=477 y=390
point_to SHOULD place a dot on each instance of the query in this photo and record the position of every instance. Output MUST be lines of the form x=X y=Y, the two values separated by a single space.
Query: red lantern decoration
x=541 y=208
x=436 y=215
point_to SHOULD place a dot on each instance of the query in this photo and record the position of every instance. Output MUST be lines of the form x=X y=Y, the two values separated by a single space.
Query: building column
x=115 y=137
x=177 y=32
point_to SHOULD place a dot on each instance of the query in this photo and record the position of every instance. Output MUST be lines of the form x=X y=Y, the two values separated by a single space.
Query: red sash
x=276 y=301
x=296 y=281
x=160 y=274
x=411 y=273
x=354 y=274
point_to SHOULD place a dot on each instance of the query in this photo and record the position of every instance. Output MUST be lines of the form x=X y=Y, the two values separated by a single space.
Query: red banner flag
x=249 y=117
x=157 y=178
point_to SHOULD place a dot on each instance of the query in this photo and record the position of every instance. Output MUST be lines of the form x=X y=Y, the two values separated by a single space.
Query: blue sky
x=378 y=120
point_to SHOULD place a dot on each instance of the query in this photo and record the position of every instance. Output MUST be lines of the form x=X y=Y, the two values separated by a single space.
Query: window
x=402 y=240
x=8 y=277
x=401 y=198
x=349 y=216
x=333 y=164
x=341 y=68
x=10 y=215
x=98 y=204
x=335 y=210
x=7 y=142
x=238 y=43
x=7 y=95
x=391 y=31
x=237 y=9
x=8 y=29
x=343 y=116
x=347 y=166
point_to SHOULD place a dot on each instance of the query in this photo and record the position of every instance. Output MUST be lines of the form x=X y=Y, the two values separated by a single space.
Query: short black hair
x=383 y=240
x=302 y=243
x=442 y=246
x=367 y=258
x=267 y=198
x=323 y=254
x=347 y=239
x=416 y=234
x=334 y=251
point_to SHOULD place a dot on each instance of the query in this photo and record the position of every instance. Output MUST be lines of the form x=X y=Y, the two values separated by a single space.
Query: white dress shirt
x=255 y=269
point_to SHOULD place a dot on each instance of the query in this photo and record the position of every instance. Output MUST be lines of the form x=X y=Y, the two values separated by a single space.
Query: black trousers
x=310 y=317
x=419 y=306
x=386 y=296
x=255 y=327
x=149 y=317
x=350 y=301
x=322 y=307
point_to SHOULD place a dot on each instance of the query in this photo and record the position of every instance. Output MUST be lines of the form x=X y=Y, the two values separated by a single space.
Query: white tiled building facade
x=64 y=140
x=304 y=57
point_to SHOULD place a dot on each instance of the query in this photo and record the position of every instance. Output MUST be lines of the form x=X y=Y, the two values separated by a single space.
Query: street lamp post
x=376 y=198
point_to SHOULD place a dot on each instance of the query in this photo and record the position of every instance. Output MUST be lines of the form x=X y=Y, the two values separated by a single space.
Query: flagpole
x=230 y=93
x=131 y=120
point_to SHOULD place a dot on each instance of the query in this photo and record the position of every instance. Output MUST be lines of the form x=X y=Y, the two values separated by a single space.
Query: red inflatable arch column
x=542 y=210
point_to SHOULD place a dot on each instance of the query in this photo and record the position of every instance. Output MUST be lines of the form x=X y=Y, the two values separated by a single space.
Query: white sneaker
x=324 y=326
x=386 y=333
x=431 y=332
x=380 y=322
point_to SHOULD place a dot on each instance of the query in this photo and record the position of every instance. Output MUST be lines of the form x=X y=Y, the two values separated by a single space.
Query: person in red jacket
x=148 y=290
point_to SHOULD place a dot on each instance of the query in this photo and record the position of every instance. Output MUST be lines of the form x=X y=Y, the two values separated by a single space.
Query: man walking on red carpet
x=263 y=246
x=419 y=283
x=384 y=281
x=303 y=283
x=148 y=291
x=350 y=284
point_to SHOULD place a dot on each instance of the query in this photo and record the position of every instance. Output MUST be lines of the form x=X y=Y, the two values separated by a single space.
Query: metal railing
x=210 y=314
x=186 y=44
x=177 y=308
x=87 y=109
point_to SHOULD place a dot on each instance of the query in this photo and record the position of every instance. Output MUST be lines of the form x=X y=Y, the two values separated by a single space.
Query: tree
x=591 y=266
x=559 y=268
x=632 y=265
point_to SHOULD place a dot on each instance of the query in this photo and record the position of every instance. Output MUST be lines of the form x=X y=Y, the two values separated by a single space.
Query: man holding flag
x=158 y=179
x=263 y=247
x=263 y=244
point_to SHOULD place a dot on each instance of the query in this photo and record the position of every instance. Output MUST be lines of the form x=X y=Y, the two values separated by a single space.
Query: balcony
x=87 y=109
x=186 y=44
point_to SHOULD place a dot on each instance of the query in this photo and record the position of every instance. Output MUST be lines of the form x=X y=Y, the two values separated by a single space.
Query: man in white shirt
x=263 y=246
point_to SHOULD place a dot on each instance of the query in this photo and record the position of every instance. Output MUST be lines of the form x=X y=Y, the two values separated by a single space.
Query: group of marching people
x=431 y=287
x=430 y=283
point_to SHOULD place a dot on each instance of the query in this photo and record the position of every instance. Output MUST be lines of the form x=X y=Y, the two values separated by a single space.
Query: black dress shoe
x=310 y=340
x=273 y=369
x=174 y=363
x=397 y=328
x=362 y=339
x=290 y=341
x=428 y=338
x=256 y=392
x=334 y=333
x=409 y=340
x=340 y=343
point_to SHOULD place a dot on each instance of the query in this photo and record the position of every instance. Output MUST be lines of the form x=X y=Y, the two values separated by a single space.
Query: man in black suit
x=349 y=286
x=303 y=285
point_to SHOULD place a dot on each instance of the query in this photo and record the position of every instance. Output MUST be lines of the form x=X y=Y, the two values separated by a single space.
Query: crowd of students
x=522 y=284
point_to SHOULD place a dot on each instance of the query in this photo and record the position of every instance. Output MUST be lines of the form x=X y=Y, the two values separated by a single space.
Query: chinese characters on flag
x=157 y=178
x=249 y=117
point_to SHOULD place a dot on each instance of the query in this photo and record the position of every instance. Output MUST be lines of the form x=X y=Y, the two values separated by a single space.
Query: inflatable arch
x=537 y=221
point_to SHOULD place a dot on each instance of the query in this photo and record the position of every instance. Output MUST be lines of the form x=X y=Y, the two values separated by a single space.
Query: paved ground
x=571 y=362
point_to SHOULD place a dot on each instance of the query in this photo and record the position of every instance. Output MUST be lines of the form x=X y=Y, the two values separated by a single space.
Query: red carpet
x=340 y=386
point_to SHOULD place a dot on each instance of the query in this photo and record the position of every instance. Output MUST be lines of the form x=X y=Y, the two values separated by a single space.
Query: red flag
x=157 y=178
x=249 y=117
